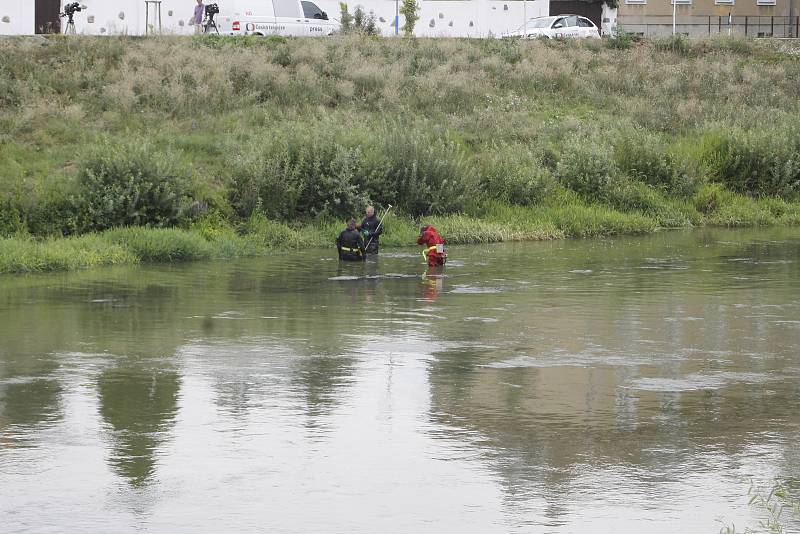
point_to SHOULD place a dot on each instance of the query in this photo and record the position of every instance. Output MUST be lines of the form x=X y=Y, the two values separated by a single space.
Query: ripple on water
x=696 y=382
x=475 y=290
x=482 y=319
x=585 y=359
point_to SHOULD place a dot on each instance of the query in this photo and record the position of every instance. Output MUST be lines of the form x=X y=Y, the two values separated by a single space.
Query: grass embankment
x=176 y=148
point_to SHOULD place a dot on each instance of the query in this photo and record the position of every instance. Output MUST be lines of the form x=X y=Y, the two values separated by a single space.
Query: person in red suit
x=434 y=246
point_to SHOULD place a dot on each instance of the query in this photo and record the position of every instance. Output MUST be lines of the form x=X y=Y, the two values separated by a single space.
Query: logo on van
x=270 y=27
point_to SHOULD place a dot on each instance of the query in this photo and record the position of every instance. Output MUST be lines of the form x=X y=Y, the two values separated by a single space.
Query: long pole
x=397 y=17
x=379 y=225
x=674 y=15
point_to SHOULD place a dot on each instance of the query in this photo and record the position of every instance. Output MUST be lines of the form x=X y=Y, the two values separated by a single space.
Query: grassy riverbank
x=217 y=239
x=177 y=148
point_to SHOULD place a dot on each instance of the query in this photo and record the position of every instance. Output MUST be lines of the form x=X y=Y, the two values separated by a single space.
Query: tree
x=410 y=10
x=346 y=18
x=358 y=17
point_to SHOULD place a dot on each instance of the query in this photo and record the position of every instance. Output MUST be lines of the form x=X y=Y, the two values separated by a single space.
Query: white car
x=301 y=18
x=558 y=27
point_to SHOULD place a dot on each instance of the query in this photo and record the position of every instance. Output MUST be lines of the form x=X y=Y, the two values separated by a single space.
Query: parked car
x=301 y=18
x=558 y=27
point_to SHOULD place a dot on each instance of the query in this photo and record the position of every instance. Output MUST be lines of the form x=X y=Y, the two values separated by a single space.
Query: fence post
x=772 y=26
x=745 y=25
x=797 y=26
x=719 y=24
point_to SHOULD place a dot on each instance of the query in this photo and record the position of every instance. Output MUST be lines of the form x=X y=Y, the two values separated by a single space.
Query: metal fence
x=698 y=26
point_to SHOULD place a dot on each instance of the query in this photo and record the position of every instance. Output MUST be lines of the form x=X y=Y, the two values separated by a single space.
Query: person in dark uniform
x=371 y=229
x=350 y=244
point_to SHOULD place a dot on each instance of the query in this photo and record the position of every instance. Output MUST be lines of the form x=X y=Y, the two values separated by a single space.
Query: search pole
x=397 y=17
x=674 y=15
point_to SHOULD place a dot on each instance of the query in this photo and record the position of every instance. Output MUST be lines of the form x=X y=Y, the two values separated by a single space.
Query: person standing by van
x=197 y=17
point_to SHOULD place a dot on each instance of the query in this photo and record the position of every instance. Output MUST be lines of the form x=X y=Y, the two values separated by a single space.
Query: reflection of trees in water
x=321 y=381
x=548 y=426
x=29 y=403
x=139 y=404
x=30 y=393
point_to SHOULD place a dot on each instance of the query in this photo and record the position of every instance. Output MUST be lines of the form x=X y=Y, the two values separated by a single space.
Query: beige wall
x=704 y=8
x=702 y=18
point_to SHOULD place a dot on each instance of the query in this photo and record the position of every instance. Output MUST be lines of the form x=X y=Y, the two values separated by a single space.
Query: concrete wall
x=702 y=18
x=475 y=18
x=703 y=8
x=16 y=17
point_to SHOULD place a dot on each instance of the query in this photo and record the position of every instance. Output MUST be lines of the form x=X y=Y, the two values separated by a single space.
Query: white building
x=452 y=18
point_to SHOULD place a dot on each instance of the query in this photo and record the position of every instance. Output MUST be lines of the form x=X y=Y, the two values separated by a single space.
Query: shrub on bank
x=514 y=174
x=10 y=221
x=298 y=177
x=419 y=172
x=329 y=173
x=587 y=167
x=644 y=157
x=758 y=162
x=132 y=184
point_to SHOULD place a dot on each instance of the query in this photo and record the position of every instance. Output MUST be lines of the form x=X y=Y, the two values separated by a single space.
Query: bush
x=299 y=177
x=131 y=185
x=419 y=172
x=675 y=43
x=10 y=220
x=764 y=163
x=587 y=167
x=644 y=157
x=514 y=174
x=711 y=197
x=620 y=40
x=629 y=195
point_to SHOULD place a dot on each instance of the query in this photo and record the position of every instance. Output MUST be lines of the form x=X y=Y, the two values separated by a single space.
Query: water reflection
x=139 y=405
x=612 y=385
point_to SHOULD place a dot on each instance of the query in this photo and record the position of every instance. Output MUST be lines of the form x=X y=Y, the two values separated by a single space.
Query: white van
x=301 y=18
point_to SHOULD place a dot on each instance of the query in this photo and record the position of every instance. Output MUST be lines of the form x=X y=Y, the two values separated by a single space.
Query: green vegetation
x=780 y=507
x=212 y=147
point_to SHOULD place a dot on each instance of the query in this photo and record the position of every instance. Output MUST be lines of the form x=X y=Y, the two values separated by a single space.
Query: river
x=618 y=385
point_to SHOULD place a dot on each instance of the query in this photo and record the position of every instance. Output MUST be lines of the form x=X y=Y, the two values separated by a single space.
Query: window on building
x=725 y=2
x=765 y=2
x=681 y=2
x=635 y=1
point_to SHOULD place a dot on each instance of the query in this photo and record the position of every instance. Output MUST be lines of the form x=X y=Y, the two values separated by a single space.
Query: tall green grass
x=268 y=144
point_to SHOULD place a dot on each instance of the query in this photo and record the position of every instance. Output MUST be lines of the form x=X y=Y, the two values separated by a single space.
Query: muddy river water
x=621 y=385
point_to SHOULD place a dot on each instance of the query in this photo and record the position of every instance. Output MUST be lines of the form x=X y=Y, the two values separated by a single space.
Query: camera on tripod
x=71 y=9
x=208 y=23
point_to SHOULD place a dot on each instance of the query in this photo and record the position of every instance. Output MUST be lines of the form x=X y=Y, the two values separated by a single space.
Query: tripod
x=69 y=29
x=209 y=23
